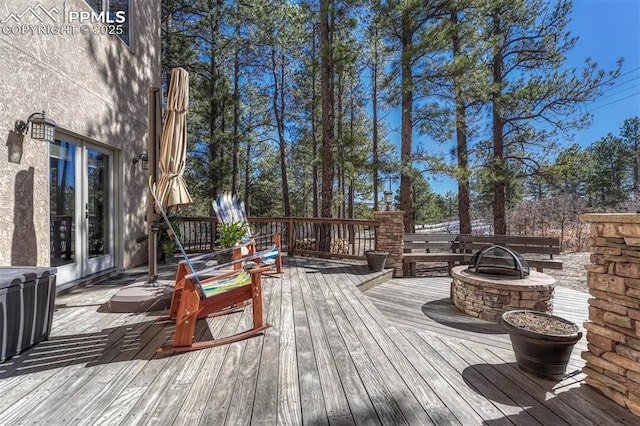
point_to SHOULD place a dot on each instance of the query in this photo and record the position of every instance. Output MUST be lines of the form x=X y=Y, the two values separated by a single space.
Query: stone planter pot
x=376 y=260
x=542 y=342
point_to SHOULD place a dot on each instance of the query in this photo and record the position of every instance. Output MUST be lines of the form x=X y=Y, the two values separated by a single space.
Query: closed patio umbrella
x=172 y=190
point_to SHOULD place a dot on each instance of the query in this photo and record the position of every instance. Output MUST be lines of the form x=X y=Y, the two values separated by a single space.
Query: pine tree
x=528 y=41
x=609 y=174
x=630 y=134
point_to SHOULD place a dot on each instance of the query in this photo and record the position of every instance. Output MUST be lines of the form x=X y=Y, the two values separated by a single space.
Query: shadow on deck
x=480 y=353
x=398 y=353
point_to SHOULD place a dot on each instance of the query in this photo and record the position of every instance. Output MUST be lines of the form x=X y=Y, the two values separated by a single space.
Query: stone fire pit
x=488 y=296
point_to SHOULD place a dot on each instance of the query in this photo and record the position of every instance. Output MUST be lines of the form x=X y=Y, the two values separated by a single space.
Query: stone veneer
x=613 y=330
x=389 y=238
x=488 y=296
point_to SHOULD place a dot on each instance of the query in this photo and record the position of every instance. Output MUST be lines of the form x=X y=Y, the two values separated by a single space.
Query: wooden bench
x=537 y=251
x=431 y=248
x=456 y=249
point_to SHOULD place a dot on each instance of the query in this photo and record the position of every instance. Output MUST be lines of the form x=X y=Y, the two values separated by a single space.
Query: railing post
x=278 y=243
x=389 y=238
x=291 y=245
x=212 y=227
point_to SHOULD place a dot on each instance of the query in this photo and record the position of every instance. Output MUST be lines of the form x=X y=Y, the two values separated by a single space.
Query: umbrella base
x=142 y=297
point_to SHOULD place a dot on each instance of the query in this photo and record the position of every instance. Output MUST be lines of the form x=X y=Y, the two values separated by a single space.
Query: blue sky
x=606 y=30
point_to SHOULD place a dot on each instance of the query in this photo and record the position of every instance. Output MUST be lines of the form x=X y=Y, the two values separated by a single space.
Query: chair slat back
x=230 y=209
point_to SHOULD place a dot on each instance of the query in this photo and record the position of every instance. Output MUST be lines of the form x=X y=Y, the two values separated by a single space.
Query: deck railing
x=338 y=238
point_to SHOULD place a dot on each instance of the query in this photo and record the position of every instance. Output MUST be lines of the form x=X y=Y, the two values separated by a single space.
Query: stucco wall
x=93 y=86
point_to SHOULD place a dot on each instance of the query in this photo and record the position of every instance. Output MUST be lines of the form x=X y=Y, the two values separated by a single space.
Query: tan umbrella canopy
x=172 y=190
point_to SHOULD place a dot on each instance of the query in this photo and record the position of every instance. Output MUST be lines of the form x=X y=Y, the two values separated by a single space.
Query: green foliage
x=166 y=243
x=255 y=107
x=609 y=175
x=428 y=206
x=229 y=234
x=602 y=174
x=527 y=43
x=513 y=174
x=630 y=134
x=567 y=176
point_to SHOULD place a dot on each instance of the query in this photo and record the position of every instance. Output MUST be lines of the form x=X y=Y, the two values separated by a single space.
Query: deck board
x=311 y=400
x=245 y=387
x=265 y=404
x=343 y=393
x=423 y=303
x=381 y=332
x=379 y=377
x=397 y=353
x=289 y=410
x=348 y=365
x=195 y=402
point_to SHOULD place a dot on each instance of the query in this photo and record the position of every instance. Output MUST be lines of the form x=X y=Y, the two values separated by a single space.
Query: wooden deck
x=396 y=354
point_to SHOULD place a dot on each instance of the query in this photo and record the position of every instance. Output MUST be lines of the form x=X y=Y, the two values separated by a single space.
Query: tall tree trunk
x=236 y=114
x=464 y=213
x=214 y=170
x=326 y=78
x=351 y=191
x=374 y=99
x=498 y=166
x=215 y=156
x=279 y=110
x=247 y=180
x=222 y=146
x=406 y=144
x=314 y=129
x=340 y=142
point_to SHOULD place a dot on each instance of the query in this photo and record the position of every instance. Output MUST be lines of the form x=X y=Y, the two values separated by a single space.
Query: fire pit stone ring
x=488 y=296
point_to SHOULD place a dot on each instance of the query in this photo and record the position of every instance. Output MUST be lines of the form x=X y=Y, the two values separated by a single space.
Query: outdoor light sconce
x=42 y=127
x=143 y=159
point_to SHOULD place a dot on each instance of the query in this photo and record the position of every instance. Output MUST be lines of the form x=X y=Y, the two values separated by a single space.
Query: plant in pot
x=166 y=243
x=228 y=235
x=542 y=342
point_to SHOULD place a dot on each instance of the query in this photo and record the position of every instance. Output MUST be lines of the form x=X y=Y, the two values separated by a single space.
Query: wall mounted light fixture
x=143 y=158
x=42 y=127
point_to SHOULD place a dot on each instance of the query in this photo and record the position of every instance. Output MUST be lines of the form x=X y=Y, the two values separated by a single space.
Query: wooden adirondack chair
x=228 y=209
x=186 y=267
x=197 y=296
x=214 y=290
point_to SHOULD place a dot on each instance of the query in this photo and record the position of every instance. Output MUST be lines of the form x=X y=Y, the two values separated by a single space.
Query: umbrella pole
x=152 y=153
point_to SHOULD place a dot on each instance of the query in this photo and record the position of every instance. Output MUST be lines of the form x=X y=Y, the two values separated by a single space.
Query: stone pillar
x=613 y=329
x=389 y=238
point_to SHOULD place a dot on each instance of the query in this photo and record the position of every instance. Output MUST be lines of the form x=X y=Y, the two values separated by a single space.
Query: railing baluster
x=350 y=237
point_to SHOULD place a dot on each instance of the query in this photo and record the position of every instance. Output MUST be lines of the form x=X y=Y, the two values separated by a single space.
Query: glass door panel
x=98 y=211
x=62 y=224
